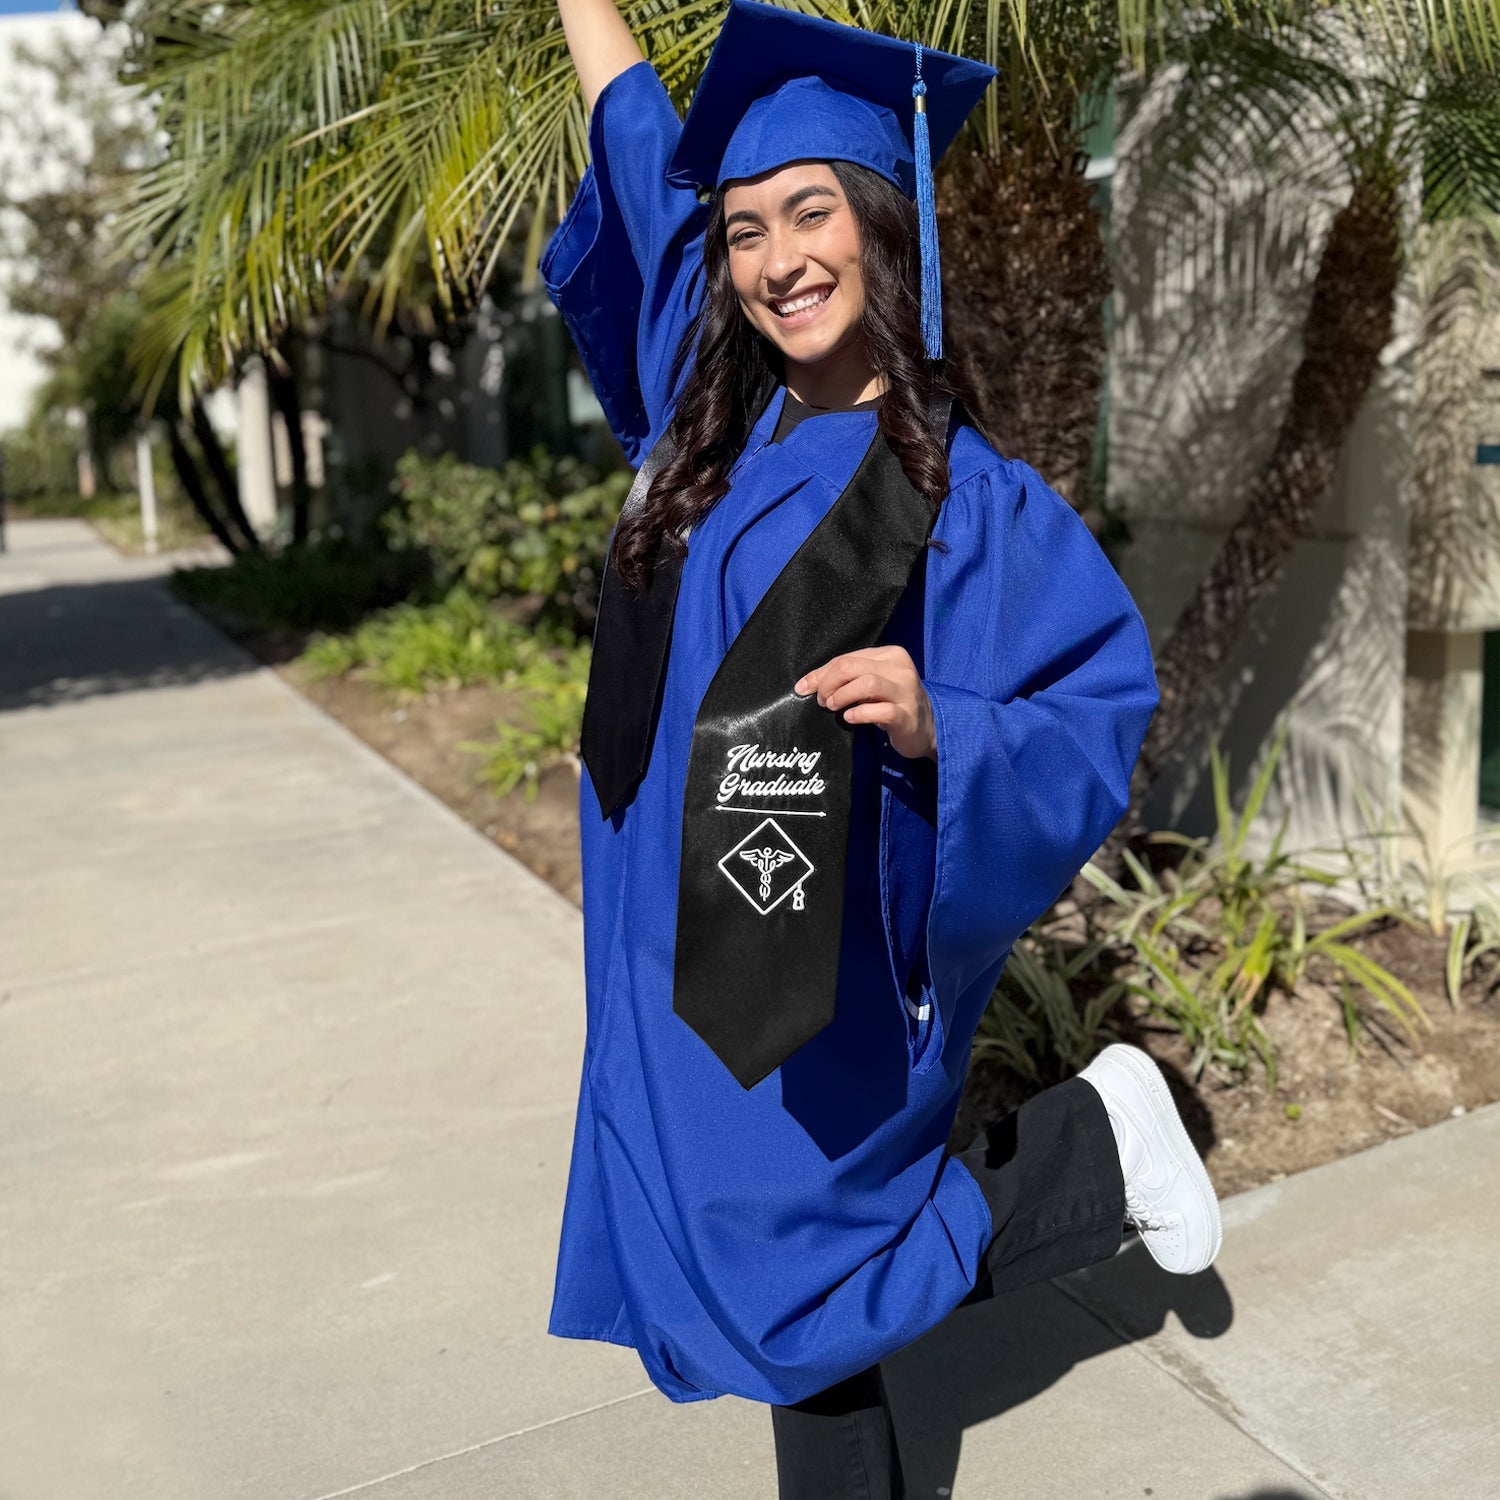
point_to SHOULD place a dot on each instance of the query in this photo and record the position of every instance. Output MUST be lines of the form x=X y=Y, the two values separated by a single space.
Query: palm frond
x=387 y=145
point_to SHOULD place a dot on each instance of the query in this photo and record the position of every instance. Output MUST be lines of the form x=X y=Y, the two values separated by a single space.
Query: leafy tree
x=69 y=145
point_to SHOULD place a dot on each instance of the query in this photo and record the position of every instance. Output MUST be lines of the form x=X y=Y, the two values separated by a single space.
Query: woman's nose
x=784 y=261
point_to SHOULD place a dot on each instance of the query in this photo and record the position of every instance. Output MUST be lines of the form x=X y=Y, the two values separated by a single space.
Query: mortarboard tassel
x=932 y=276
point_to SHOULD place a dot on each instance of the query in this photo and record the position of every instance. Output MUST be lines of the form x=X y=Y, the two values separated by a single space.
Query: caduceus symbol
x=768 y=862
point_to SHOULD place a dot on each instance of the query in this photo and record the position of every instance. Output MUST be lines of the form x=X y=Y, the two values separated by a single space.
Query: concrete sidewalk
x=288 y=1058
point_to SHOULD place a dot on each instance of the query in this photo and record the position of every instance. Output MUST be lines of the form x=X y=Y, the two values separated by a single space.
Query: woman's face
x=794 y=256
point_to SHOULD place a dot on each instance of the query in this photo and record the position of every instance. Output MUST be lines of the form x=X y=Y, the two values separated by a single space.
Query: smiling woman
x=864 y=697
x=811 y=281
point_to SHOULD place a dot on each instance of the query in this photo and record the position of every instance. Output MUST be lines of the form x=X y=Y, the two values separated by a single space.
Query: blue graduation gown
x=770 y=1242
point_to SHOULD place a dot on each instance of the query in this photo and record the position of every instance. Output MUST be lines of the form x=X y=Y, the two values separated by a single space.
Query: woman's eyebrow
x=812 y=190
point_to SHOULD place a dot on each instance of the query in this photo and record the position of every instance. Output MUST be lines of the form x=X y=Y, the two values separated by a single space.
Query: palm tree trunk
x=192 y=486
x=218 y=466
x=1026 y=279
x=1348 y=324
x=284 y=392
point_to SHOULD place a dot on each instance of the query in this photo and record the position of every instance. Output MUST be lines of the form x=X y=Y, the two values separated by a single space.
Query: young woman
x=865 y=696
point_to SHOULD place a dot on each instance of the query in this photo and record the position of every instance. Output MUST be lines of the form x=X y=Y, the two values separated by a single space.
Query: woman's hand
x=878 y=686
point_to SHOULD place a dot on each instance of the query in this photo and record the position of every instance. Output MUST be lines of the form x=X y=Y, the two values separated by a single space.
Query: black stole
x=765 y=821
x=628 y=666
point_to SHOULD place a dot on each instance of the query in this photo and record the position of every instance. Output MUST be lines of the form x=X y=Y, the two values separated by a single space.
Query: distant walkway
x=288 y=1060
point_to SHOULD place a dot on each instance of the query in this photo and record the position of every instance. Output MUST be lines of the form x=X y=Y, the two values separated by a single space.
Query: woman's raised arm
x=599 y=42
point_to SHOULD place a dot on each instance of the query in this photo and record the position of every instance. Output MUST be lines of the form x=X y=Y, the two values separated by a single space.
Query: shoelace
x=1139 y=1215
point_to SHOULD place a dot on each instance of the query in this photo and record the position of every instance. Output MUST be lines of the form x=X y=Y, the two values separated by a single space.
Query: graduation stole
x=765 y=821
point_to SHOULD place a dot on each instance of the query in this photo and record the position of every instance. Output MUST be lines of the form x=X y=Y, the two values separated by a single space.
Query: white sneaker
x=1168 y=1196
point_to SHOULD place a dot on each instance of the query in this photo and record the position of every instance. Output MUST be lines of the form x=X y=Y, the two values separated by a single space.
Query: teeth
x=799 y=304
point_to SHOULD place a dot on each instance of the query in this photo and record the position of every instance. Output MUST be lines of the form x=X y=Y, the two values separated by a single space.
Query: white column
x=145 y=481
x=313 y=429
x=257 y=463
x=1440 y=757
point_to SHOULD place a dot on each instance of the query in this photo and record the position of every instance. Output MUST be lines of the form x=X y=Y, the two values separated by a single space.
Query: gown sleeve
x=1039 y=670
x=625 y=267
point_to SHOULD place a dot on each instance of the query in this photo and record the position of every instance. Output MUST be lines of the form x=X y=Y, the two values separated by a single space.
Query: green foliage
x=41 y=463
x=1201 y=947
x=329 y=584
x=1036 y=1025
x=537 y=528
x=93 y=374
x=1450 y=891
x=1474 y=938
x=374 y=145
x=419 y=648
x=68 y=144
x=1211 y=939
x=551 y=704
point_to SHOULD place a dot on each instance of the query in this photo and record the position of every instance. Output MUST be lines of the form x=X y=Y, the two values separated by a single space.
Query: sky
x=31 y=7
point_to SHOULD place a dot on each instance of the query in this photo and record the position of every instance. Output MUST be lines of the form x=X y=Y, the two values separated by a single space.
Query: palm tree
x=363 y=145
x=1410 y=99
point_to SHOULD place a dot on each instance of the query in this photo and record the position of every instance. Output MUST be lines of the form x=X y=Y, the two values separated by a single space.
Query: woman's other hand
x=878 y=686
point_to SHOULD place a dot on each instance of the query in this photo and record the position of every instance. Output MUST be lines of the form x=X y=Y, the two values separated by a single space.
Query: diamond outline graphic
x=791 y=844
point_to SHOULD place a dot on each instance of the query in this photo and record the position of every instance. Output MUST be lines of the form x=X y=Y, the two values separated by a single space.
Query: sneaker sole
x=1148 y=1075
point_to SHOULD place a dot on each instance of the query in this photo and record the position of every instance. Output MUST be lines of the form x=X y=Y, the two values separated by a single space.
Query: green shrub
x=328 y=584
x=537 y=528
x=41 y=465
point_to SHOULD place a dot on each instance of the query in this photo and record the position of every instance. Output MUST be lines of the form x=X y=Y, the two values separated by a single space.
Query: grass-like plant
x=1474 y=936
x=552 y=694
x=1212 y=938
x=1451 y=891
x=462 y=640
x=1201 y=946
x=1041 y=1019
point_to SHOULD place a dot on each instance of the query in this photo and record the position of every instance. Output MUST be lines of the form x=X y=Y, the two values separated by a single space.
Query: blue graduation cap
x=781 y=86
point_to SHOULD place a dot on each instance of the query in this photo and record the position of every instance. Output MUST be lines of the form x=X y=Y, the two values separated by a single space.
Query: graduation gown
x=771 y=1241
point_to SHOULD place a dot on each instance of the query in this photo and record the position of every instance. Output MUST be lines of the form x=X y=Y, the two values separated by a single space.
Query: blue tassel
x=932 y=275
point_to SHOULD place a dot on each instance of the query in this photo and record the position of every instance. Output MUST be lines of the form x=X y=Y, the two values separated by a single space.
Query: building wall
x=1213 y=282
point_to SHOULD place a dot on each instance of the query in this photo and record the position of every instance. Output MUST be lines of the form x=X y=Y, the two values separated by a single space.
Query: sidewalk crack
x=504 y=1437
x=1215 y=1399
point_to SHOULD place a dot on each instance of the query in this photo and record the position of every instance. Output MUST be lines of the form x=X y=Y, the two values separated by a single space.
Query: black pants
x=1051 y=1175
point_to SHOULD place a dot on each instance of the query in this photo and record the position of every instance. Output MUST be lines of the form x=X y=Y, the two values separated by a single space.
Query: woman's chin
x=811 y=347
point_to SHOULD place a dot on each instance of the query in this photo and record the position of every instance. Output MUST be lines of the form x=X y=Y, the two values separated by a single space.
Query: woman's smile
x=798 y=311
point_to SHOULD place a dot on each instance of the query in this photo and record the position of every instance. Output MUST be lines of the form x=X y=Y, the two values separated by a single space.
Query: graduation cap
x=781 y=86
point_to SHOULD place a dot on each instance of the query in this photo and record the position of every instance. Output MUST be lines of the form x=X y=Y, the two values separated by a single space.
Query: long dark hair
x=736 y=368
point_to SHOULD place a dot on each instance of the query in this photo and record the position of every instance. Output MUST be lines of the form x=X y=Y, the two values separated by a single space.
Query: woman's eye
x=742 y=238
x=816 y=216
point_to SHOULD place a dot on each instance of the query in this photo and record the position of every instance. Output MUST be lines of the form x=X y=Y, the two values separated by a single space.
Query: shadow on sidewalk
x=63 y=643
x=987 y=1359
